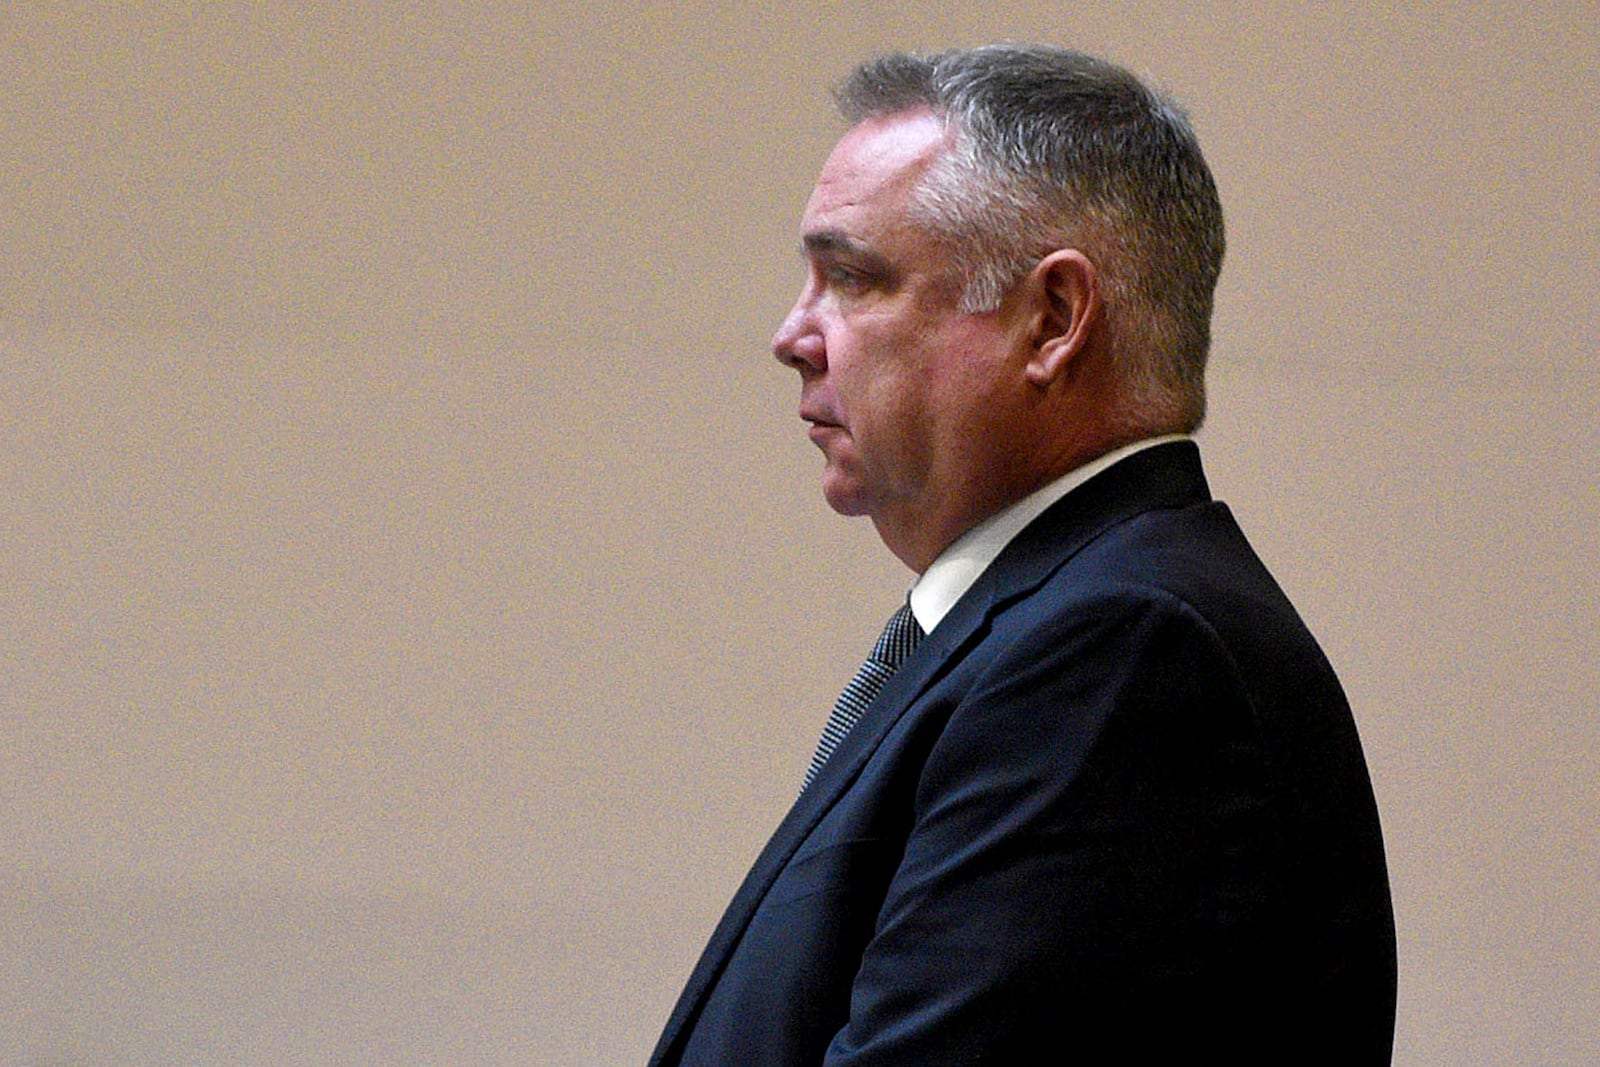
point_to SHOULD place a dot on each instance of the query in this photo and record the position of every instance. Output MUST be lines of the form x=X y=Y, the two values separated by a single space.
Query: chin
x=844 y=495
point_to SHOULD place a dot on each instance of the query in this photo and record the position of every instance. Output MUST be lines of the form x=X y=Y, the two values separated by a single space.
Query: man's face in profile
x=898 y=384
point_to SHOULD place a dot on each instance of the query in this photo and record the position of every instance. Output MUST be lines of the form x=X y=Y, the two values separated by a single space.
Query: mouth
x=816 y=417
x=822 y=427
x=824 y=437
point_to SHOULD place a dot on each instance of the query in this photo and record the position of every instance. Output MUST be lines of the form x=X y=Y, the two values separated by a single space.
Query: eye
x=846 y=279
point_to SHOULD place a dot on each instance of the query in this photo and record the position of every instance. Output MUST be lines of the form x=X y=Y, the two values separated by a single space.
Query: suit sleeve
x=1089 y=853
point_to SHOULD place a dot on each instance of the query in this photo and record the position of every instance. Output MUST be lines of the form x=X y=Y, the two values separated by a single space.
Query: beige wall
x=416 y=605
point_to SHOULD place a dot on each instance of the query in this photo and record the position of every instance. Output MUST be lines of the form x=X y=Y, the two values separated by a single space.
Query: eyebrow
x=836 y=242
x=824 y=241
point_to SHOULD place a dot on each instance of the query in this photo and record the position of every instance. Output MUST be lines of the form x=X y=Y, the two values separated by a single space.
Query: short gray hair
x=1053 y=148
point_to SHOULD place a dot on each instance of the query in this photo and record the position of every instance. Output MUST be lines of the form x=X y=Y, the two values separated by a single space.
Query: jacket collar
x=1167 y=476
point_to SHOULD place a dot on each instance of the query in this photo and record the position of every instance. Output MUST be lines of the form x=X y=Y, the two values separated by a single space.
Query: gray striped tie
x=899 y=637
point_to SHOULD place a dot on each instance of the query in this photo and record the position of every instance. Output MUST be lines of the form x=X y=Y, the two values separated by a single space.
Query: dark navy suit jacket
x=1112 y=810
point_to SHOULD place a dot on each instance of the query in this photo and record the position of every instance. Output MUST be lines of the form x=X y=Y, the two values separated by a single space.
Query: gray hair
x=1054 y=148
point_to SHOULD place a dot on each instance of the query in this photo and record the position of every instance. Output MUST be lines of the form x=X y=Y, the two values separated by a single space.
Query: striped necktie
x=899 y=637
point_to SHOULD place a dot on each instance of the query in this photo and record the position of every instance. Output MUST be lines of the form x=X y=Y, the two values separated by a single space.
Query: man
x=1112 y=808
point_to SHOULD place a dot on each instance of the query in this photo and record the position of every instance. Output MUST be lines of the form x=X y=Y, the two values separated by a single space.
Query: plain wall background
x=416 y=601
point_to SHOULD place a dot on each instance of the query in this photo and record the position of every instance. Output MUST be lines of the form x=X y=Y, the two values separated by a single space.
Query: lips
x=822 y=428
x=816 y=414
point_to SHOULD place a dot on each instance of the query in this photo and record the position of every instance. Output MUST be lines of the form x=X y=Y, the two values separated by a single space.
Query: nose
x=798 y=343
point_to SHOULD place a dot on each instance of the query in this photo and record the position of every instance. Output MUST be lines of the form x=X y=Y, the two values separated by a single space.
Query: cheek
x=857 y=367
x=900 y=426
x=886 y=384
x=975 y=365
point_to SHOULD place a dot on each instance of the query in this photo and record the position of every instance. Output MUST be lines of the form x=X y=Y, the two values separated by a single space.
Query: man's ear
x=1068 y=313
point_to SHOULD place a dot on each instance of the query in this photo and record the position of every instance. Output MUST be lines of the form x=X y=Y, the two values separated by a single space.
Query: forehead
x=873 y=170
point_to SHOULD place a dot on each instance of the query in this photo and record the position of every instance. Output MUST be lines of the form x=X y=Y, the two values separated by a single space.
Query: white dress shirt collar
x=949 y=577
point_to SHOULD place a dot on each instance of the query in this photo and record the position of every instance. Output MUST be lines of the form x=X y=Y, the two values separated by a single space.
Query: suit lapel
x=1163 y=476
